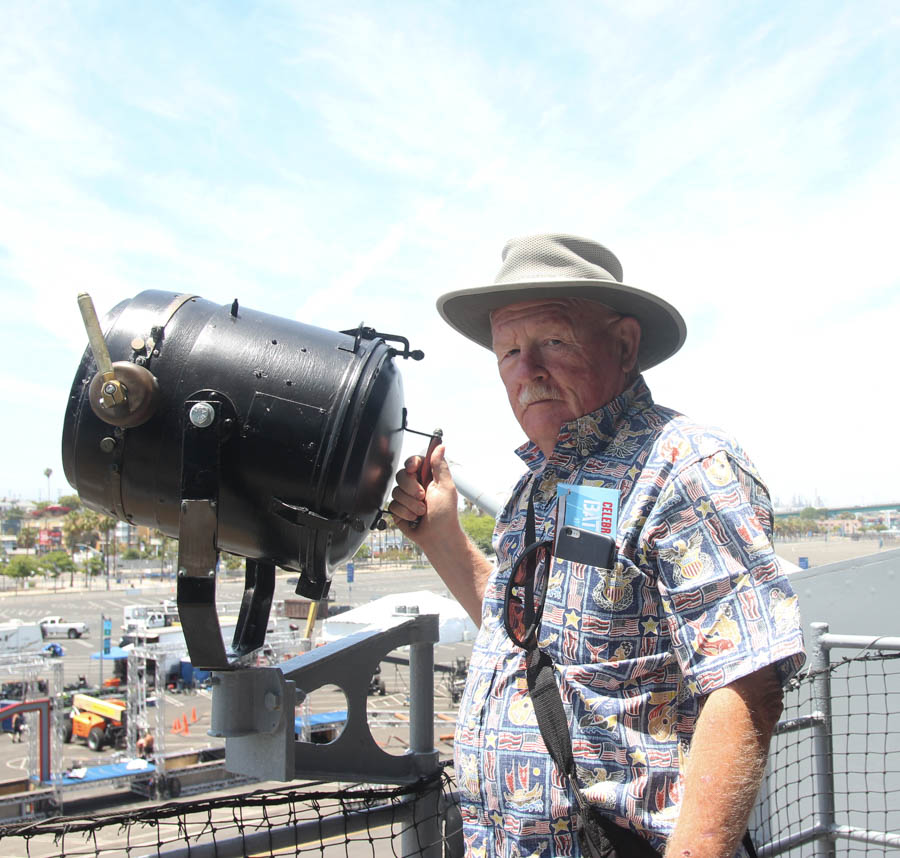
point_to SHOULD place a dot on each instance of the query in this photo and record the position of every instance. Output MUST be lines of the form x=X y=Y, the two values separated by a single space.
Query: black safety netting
x=848 y=773
x=352 y=821
x=846 y=776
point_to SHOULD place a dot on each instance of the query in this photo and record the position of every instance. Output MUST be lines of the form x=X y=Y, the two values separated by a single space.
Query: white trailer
x=18 y=636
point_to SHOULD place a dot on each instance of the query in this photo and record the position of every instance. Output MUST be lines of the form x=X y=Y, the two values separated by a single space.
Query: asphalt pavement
x=370 y=582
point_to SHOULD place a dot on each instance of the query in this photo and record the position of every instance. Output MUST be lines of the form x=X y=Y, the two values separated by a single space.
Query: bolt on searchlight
x=236 y=430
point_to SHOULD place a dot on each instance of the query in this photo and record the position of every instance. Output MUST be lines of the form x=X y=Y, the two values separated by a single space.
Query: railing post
x=422 y=837
x=823 y=752
x=421 y=702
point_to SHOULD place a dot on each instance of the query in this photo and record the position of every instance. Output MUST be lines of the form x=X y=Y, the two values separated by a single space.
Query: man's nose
x=531 y=367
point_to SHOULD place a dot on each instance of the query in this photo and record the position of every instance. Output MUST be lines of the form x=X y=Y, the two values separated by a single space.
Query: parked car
x=57 y=627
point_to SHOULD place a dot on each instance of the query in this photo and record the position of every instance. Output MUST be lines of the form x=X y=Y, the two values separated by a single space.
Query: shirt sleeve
x=729 y=609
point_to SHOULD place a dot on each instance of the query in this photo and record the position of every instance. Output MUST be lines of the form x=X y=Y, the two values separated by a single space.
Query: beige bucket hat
x=564 y=266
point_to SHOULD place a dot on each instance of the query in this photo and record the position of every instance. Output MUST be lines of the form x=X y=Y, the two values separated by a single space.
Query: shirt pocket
x=592 y=615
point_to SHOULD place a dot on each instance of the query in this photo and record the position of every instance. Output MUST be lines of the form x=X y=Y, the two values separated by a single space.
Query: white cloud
x=338 y=164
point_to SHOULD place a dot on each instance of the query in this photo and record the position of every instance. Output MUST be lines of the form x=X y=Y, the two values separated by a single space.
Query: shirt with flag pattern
x=694 y=600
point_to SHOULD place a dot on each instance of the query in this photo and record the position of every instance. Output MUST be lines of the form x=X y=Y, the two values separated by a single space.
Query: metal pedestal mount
x=253 y=709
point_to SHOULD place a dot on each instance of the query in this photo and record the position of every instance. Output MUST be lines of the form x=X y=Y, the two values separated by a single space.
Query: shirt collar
x=590 y=434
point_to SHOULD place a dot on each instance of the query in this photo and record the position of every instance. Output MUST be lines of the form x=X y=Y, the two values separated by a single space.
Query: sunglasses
x=526 y=590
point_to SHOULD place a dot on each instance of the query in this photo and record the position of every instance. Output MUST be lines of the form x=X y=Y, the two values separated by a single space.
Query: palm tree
x=27 y=538
x=82 y=527
x=47 y=473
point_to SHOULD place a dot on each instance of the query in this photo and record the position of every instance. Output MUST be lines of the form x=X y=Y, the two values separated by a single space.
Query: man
x=670 y=662
x=144 y=745
x=18 y=726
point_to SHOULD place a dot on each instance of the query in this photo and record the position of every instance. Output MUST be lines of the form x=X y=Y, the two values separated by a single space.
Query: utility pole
x=106 y=549
x=115 y=557
x=102 y=619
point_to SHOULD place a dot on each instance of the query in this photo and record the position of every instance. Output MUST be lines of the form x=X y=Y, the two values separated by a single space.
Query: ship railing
x=834 y=765
x=830 y=787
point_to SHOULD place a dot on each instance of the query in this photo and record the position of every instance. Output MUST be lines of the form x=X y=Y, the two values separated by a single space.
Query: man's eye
x=553 y=342
x=510 y=353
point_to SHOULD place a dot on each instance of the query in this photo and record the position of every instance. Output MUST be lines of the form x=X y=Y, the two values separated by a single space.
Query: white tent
x=455 y=624
x=786 y=565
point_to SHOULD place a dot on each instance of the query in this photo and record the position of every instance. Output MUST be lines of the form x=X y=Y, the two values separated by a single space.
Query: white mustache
x=536 y=391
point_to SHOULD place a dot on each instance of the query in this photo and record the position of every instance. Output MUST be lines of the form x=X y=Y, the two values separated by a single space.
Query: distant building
x=126 y=535
x=390 y=539
x=48 y=522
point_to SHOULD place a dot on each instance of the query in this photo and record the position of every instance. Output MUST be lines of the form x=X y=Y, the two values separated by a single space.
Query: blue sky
x=349 y=162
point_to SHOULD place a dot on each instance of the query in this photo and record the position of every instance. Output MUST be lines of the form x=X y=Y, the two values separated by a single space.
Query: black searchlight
x=236 y=430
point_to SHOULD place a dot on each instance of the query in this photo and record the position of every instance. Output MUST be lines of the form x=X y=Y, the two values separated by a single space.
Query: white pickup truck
x=57 y=627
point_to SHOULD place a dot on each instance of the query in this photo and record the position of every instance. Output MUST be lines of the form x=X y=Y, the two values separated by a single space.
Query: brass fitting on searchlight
x=122 y=393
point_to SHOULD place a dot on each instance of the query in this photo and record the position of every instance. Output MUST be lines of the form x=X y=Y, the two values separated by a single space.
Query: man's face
x=560 y=360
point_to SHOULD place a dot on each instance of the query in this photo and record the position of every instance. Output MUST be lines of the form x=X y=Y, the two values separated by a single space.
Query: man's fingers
x=401 y=513
x=408 y=497
x=408 y=504
x=440 y=469
x=408 y=507
x=408 y=482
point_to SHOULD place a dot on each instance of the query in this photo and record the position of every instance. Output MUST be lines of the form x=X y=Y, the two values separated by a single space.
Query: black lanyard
x=530 y=565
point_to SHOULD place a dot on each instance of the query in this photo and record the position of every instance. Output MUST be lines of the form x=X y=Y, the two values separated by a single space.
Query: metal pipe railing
x=823 y=753
x=790 y=841
x=862 y=835
x=424 y=837
x=826 y=831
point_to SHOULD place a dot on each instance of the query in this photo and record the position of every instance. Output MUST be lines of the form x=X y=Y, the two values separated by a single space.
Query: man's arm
x=463 y=568
x=726 y=764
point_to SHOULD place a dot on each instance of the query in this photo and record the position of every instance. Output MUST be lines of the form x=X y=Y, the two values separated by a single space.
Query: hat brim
x=663 y=330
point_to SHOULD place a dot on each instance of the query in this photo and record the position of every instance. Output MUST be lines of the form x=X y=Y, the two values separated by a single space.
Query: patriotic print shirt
x=694 y=601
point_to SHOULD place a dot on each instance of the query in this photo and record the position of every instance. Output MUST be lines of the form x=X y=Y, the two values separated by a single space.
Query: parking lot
x=186 y=714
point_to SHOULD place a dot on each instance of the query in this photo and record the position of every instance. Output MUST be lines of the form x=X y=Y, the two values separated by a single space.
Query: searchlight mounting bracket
x=208 y=420
x=254 y=710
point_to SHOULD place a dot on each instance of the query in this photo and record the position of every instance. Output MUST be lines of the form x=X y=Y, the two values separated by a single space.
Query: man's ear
x=628 y=335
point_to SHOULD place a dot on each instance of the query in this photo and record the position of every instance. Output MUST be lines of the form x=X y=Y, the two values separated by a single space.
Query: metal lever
x=114 y=392
x=122 y=394
x=95 y=335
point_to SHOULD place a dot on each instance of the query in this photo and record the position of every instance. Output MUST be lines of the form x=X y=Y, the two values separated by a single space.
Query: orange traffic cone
x=193 y=715
x=184 y=725
x=176 y=726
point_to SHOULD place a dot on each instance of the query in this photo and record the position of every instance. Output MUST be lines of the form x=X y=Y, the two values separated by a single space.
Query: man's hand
x=436 y=505
x=460 y=564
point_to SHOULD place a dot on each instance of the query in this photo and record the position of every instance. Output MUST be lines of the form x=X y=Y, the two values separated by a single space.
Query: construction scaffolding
x=35 y=679
x=146 y=700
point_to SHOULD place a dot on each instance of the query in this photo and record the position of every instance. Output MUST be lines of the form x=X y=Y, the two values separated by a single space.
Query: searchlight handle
x=424 y=475
x=95 y=336
x=123 y=394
